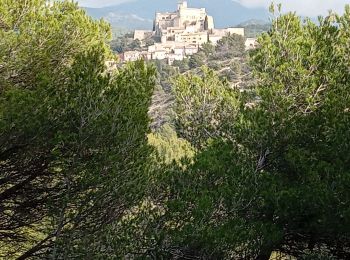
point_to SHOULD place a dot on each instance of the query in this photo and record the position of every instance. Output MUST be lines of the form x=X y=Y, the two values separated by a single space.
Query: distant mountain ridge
x=139 y=14
x=255 y=27
x=253 y=22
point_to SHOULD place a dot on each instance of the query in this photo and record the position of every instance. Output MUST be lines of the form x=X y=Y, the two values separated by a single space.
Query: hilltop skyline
x=302 y=7
x=139 y=14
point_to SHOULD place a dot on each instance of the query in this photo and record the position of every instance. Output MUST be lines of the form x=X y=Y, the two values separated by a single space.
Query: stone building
x=170 y=26
x=216 y=35
x=142 y=34
x=181 y=33
x=251 y=43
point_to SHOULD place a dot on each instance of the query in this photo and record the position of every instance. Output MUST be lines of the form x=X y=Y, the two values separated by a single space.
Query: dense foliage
x=239 y=169
x=73 y=137
x=126 y=42
x=204 y=105
x=228 y=58
x=277 y=177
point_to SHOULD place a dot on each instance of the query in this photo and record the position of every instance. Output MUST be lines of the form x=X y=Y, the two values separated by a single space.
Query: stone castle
x=179 y=34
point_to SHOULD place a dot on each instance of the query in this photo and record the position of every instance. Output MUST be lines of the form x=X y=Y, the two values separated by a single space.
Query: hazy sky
x=100 y=3
x=303 y=7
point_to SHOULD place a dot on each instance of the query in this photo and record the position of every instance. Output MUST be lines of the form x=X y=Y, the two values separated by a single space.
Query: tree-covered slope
x=236 y=173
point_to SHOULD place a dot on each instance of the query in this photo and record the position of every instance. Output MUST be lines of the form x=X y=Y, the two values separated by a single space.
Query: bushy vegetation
x=233 y=173
x=254 y=28
x=228 y=58
x=275 y=176
x=73 y=137
x=126 y=42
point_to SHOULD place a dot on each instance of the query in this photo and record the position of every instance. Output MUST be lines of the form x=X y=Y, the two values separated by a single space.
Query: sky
x=101 y=3
x=302 y=7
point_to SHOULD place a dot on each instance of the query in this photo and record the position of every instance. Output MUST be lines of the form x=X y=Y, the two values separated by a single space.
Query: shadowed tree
x=73 y=139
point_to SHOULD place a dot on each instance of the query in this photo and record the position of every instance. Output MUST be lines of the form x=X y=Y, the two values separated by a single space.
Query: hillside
x=254 y=27
x=219 y=152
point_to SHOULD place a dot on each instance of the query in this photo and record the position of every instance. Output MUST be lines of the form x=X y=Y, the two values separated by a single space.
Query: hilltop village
x=180 y=34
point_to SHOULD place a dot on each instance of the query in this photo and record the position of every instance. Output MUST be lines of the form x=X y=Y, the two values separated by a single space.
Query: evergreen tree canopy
x=277 y=177
x=73 y=138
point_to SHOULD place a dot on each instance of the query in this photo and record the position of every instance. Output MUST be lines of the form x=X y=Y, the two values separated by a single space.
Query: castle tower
x=209 y=23
x=181 y=4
